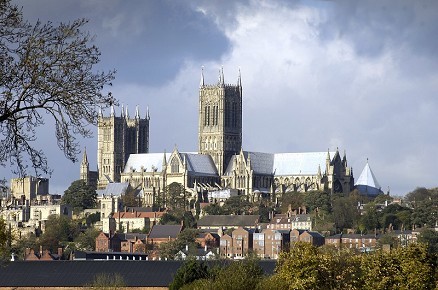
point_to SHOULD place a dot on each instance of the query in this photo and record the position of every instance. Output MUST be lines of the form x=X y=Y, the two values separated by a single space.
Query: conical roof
x=367 y=182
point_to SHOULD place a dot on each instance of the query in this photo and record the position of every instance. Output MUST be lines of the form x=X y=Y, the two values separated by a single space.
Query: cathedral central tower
x=220 y=120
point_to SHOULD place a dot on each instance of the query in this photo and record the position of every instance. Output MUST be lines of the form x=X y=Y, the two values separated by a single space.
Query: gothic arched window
x=174 y=165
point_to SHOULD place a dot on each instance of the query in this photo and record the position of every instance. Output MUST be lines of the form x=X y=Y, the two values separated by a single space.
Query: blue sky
x=316 y=75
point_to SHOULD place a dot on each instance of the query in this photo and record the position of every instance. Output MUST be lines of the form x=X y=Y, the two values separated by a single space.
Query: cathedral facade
x=220 y=163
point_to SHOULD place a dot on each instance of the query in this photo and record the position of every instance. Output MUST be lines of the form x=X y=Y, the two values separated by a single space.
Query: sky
x=361 y=76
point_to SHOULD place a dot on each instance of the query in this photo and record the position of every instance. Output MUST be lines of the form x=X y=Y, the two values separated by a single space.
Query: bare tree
x=46 y=73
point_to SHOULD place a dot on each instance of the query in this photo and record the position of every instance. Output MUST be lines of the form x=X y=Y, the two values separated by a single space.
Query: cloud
x=358 y=75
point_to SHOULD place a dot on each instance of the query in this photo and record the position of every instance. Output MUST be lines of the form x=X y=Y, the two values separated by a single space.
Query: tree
x=294 y=199
x=80 y=196
x=186 y=238
x=213 y=209
x=430 y=238
x=176 y=196
x=5 y=241
x=237 y=205
x=317 y=200
x=345 y=212
x=86 y=241
x=59 y=230
x=189 y=271
x=46 y=74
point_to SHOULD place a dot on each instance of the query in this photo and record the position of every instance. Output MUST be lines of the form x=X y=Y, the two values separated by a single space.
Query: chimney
x=60 y=251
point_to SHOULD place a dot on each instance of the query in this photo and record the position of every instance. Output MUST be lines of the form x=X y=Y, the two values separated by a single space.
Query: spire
x=148 y=116
x=164 y=159
x=126 y=112
x=112 y=111
x=328 y=155
x=222 y=76
x=239 y=79
x=100 y=112
x=319 y=169
x=137 y=114
x=201 y=84
x=122 y=112
x=344 y=159
x=84 y=157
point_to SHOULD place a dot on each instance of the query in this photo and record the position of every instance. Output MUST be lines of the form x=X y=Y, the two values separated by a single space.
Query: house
x=313 y=238
x=132 y=242
x=201 y=254
x=299 y=221
x=135 y=220
x=406 y=237
x=295 y=236
x=353 y=241
x=42 y=255
x=242 y=242
x=163 y=233
x=108 y=242
x=226 y=246
x=269 y=243
x=208 y=239
x=215 y=222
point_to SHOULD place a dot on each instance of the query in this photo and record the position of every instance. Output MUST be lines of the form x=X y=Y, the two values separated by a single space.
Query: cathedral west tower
x=117 y=138
x=220 y=120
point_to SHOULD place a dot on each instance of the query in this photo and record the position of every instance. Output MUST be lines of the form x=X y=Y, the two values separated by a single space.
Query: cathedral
x=220 y=164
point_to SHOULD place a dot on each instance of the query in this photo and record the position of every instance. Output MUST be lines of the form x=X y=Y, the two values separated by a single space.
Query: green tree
x=317 y=200
x=86 y=241
x=237 y=205
x=47 y=72
x=80 y=196
x=382 y=198
x=243 y=274
x=213 y=209
x=176 y=196
x=186 y=238
x=345 y=213
x=298 y=269
x=293 y=199
x=370 y=219
x=430 y=238
x=5 y=241
x=403 y=268
x=59 y=230
x=189 y=271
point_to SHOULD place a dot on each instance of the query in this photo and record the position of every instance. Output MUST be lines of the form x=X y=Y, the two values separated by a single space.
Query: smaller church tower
x=85 y=167
x=89 y=177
